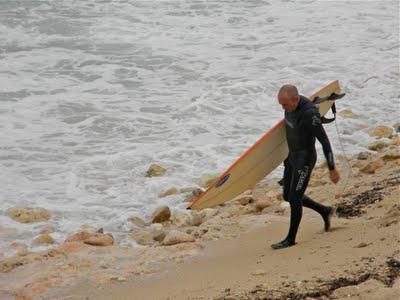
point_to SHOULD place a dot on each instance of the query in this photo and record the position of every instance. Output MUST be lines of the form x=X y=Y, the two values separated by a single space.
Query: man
x=303 y=125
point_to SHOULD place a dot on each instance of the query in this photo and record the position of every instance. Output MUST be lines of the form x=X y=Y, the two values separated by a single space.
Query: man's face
x=288 y=104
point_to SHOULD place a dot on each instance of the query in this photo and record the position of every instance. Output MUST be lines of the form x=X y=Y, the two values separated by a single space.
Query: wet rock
x=180 y=219
x=397 y=127
x=177 y=237
x=137 y=221
x=194 y=193
x=169 y=192
x=245 y=200
x=381 y=131
x=283 y=207
x=261 y=204
x=47 y=230
x=377 y=145
x=156 y=227
x=194 y=190
x=391 y=154
x=43 y=239
x=26 y=214
x=372 y=166
x=197 y=219
x=161 y=214
x=395 y=141
x=208 y=213
x=234 y=211
x=144 y=238
x=11 y=263
x=159 y=236
x=99 y=239
x=17 y=245
x=155 y=170
x=348 y=114
x=207 y=179
x=73 y=247
x=364 y=155
x=78 y=237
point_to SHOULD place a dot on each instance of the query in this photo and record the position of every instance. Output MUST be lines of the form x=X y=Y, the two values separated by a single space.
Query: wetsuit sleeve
x=313 y=123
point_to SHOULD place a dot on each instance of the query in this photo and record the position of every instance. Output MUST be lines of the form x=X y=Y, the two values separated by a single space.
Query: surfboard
x=258 y=161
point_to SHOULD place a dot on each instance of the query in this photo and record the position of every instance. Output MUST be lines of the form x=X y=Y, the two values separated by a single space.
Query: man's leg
x=298 y=184
x=325 y=211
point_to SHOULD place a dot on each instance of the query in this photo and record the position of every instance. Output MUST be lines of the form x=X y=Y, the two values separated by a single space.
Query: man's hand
x=334 y=175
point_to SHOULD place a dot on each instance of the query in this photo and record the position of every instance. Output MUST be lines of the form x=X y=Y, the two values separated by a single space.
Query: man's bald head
x=288 y=97
x=289 y=90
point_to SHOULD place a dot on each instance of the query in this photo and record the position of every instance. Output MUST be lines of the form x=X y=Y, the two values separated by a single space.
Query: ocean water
x=92 y=92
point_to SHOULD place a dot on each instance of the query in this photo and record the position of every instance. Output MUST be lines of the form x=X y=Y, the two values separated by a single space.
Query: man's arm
x=314 y=124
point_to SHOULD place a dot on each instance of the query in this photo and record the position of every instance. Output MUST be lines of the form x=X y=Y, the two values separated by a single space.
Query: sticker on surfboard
x=222 y=180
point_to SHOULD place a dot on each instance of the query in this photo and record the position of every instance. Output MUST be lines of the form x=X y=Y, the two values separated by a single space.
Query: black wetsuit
x=303 y=126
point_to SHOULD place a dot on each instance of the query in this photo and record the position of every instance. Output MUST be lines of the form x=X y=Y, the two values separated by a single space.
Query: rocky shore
x=223 y=252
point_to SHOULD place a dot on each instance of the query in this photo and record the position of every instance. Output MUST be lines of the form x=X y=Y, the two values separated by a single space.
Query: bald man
x=303 y=127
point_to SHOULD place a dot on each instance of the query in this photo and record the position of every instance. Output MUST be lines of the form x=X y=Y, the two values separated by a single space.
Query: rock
x=207 y=179
x=159 y=236
x=361 y=245
x=395 y=141
x=78 y=237
x=234 y=211
x=26 y=214
x=348 y=113
x=392 y=154
x=245 y=200
x=261 y=204
x=157 y=226
x=197 y=219
x=169 y=192
x=47 y=230
x=372 y=166
x=144 y=238
x=155 y=170
x=18 y=246
x=194 y=190
x=381 y=131
x=193 y=194
x=259 y=273
x=137 y=221
x=364 y=155
x=43 y=239
x=377 y=145
x=282 y=208
x=397 y=127
x=208 y=213
x=180 y=219
x=177 y=237
x=74 y=247
x=161 y=214
x=100 y=239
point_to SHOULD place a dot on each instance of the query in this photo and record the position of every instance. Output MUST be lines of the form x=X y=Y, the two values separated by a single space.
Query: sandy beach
x=229 y=254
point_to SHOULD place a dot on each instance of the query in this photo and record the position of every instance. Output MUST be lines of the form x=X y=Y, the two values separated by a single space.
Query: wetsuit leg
x=296 y=177
x=300 y=177
x=319 y=208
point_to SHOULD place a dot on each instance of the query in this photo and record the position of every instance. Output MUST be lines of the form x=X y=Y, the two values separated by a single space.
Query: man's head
x=288 y=97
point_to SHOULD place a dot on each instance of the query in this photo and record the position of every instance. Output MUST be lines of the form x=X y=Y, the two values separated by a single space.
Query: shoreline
x=227 y=255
